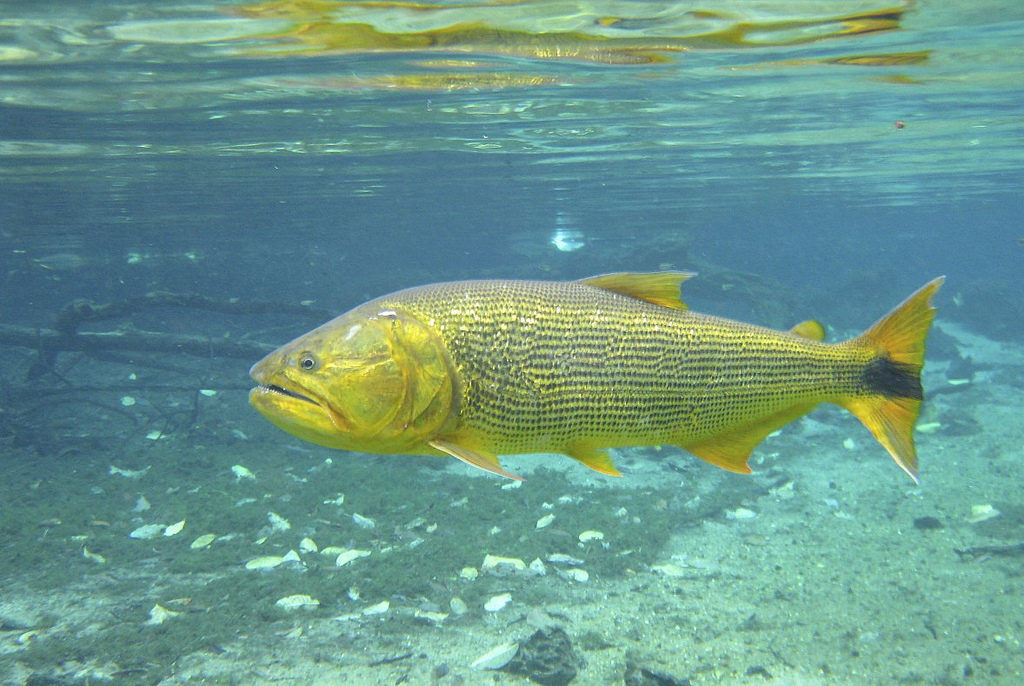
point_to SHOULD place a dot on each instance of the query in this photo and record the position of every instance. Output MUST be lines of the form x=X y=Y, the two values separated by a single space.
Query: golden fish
x=475 y=369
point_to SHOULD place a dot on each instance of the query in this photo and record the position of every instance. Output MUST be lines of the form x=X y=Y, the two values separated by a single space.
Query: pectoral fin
x=484 y=461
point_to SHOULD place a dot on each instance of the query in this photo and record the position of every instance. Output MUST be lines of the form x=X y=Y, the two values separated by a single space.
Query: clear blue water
x=822 y=160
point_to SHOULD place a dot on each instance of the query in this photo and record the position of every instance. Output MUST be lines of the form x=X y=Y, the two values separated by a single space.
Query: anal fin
x=484 y=461
x=730 y=450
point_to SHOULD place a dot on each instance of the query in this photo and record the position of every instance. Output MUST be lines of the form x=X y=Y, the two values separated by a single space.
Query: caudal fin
x=892 y=396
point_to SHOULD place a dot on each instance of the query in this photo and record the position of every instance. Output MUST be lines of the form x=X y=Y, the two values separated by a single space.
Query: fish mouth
x=281 y=390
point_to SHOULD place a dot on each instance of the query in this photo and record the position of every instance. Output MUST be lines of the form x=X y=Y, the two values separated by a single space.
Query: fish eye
x=308 y=361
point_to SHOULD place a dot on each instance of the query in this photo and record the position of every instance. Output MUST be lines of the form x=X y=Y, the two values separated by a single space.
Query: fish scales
x=475 y=369
x=545 y=364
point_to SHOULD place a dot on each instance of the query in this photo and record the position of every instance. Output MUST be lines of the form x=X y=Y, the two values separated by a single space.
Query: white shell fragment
x=95 y=557
x=432 y=617
x=203 y=541
x=563 y=559
x=591 y=535
x=468 y=573
x=242 y=473
x=378 y=609
x=159 y=614
x=265 y=562
x=363 y=522
x=174 y=529
x=979 y=513
x=277 y=522
x=576 y=574
x=502 y=566
x=308 y=545
x=147 y=531
x=740 y=513
x=128 y=473
x=497 y=657
x=498 y=602
x=350 y=555
x=298 y=602
x=545 y=521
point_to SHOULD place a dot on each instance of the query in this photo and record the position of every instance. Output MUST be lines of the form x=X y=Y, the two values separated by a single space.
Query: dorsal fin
x=660 y=288
x=811 y=328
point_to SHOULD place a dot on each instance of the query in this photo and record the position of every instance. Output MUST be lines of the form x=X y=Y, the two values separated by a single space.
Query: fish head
x=372 y=380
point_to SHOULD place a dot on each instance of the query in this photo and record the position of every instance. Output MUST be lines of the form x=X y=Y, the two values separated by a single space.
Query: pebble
x=349 y=556
x=502 y=566
x=277 y=522
x=308 y=545
x=498 y=602
x=242 y=473
x=545 y=521
x=576 y=574
x=363 y=522
x=740 y=513
x=378 y=609
x=147 y=531
x=159 y=614
x=468 y=573
x=458 y=606
x=563 y=559
x=298 y=602
x=591 y=535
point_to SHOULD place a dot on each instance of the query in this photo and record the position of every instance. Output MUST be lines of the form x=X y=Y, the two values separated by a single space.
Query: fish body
x=477 y=369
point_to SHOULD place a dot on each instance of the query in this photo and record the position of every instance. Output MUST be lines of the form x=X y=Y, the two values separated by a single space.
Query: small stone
x=350 y=556
x=547 y=657
x=277 y=522
x=308 y=545
x=502 y=566
x=378 y=609
x=159 y=614
x=147 y=531
x=298 y=602
x=591 y=535
x=498 y=602
x=458 y=606
x=576 y=574
x=563 y=559
x=242 y=473
x=363 y=522
x=545 y=521
x=740 y=513
x=468 y=573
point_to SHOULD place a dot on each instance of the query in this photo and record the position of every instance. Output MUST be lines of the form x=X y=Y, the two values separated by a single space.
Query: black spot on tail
x=893 y=379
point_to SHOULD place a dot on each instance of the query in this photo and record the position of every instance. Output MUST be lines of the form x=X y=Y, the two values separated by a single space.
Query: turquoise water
x=280 y=163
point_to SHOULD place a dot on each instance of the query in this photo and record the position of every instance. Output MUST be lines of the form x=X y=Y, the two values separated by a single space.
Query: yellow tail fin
x=892 y=396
